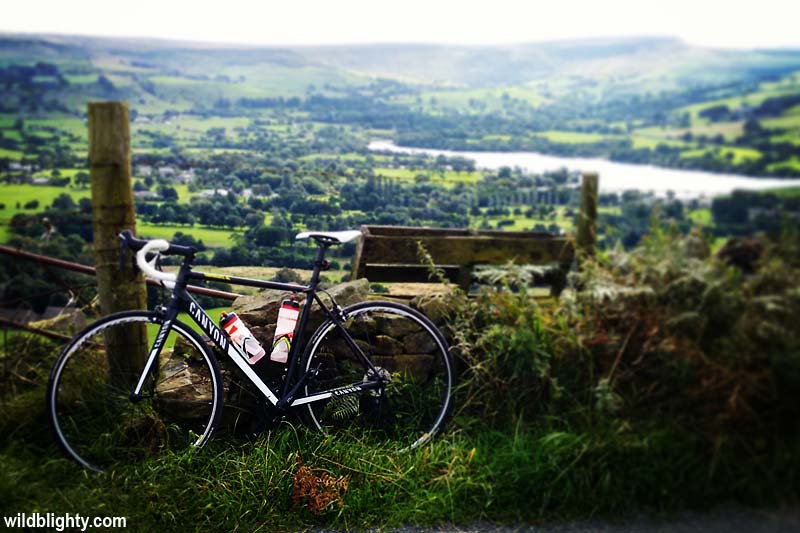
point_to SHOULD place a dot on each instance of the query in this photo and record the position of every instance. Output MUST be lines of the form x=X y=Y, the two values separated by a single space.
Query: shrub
x=663 y=333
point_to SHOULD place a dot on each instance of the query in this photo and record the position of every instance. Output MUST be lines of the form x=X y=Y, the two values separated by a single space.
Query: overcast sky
x=716 y=23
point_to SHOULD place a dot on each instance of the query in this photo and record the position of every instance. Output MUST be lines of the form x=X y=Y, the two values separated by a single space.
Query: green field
x=651 y=142
x=734 y=153
x=211 y=237
x=788 y=192
x=787 y=121
x=793 y=164
x=11 y=195
x=11 y=154
x=754 y=98
x=523 y=223
x=701 y=217
x=572 y=137
x=447 y=177
x=475 y=100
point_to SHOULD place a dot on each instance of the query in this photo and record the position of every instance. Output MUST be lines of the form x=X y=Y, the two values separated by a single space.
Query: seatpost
x=319 y=264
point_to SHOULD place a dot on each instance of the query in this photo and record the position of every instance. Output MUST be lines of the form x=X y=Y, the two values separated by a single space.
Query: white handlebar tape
x=149 y=269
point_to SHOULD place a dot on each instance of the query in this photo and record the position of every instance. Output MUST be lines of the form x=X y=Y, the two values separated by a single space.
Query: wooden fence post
x=586 y=238
x=113 y=211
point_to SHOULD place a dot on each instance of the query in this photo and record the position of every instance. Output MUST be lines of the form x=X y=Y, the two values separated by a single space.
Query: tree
x=65 y=202
x=716 y=113
x=267 y=235
x=168 y=193
x=753 y=128
x=82 y=179
x=254 y=219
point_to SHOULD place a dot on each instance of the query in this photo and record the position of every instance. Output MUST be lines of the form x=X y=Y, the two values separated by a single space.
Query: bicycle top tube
x=144 y=247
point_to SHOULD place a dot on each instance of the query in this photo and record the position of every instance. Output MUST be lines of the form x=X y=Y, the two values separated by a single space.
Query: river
x=614 y=177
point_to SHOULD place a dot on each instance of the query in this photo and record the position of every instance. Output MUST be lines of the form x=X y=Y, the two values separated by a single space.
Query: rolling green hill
x=644 y=100
x=178 y=72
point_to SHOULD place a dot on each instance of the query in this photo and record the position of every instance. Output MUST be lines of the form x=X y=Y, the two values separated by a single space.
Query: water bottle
x=284 y=330
x=242 y=337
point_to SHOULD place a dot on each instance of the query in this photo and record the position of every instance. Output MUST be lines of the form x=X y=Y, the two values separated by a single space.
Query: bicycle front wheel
x=410 y=355
x=95 y=420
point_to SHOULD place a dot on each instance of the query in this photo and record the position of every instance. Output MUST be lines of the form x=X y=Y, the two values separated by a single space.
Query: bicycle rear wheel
x=406 y=350
x=94 y=419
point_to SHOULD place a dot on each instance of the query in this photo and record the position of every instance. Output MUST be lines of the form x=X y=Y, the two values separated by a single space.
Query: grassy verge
x=549 y=472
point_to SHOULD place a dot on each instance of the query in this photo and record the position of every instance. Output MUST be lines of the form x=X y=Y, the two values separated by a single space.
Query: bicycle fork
x=136 y=396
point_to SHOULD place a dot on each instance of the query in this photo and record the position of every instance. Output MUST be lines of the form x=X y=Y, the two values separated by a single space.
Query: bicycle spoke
x=95 y=419
x=412 y=368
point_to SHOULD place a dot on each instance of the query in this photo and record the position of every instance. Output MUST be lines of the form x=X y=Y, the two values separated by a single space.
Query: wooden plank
x=586 y=237
x=411 y=231
x=465 y=251
x=358 y=264
x=407 y=273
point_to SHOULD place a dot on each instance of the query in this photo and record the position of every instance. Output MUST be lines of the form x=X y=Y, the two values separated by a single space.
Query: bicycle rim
x=406 y=350
x=94 y=419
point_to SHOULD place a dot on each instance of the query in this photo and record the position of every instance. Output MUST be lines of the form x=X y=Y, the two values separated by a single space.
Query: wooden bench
x=392 y=253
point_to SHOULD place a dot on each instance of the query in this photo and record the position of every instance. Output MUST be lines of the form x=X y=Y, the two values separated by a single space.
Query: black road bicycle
x=375 y=367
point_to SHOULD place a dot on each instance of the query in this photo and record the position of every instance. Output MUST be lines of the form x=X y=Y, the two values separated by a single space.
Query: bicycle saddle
x=329 y=237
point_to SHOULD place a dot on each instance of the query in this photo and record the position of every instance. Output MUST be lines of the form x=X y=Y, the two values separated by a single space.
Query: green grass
x=69 y=124
x=793 y=164
x=349 y=156
x=644 y=141
x=789 y=121
x=736 y=154
x=11 y=154
x=21 y=193
x=701 y=216
x=211 y=237
x=183 y=193
x=544 y=474
x=786 y=138
x=571 y=137
x=464 y=99
x=735 y=102
x=787 y=192
x=523 y=223
x=212 y=312
x=448 y=177
x=740 y=154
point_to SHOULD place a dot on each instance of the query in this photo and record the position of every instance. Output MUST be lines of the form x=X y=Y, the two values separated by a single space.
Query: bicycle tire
x=76 y=389
x=417 y=401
